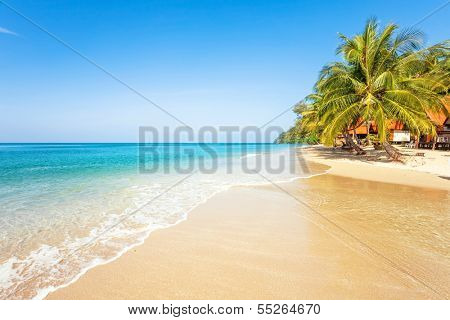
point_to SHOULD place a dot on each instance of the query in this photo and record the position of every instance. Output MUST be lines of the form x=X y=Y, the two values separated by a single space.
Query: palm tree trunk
x=352 y=144
x=392 y=152
x=434 y=143
x=369 y=143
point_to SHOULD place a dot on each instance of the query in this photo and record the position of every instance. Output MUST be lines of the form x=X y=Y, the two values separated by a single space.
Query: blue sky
x=207 y=62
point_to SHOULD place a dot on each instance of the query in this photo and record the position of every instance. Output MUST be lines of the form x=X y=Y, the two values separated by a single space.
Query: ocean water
x=65 y=208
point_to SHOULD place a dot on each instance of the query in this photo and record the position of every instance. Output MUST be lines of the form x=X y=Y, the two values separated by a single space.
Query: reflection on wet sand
x=362 y=240
x=405 y=228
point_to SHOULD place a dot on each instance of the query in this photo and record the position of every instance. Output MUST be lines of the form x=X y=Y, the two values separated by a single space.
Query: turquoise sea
x=65 y=208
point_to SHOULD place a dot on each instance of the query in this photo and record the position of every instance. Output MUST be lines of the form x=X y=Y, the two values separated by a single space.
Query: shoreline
x=343 y=164
x=44 y=293
x=218 y=230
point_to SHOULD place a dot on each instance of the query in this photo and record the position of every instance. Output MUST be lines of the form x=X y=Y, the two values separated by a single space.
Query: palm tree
x=383 y=78
x=436 y=66
x=306 y=127
x=308 y=122
x=307 y=112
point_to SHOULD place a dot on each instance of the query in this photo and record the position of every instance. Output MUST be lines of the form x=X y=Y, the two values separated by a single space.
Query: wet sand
x=326 y=237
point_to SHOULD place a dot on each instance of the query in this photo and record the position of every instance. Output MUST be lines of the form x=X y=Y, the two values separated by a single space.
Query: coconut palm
x=436 y=66
x=308 y=123
x=305 y=128
x=384 y=77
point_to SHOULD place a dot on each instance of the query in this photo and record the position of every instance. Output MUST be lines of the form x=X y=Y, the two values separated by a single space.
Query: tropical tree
x=305 y=129
x=436 y=66
x=384 y=77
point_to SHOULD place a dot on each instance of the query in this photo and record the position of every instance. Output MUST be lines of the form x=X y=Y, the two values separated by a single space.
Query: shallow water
x=65 y=208
x=406 y=228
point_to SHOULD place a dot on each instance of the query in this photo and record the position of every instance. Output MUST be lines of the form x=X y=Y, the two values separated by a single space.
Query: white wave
x=50 y=267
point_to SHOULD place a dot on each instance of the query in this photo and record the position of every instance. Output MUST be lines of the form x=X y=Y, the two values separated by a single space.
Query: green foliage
x=298 y=134
x=385 y=76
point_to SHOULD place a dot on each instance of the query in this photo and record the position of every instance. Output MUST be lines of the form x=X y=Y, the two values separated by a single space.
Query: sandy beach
x=431 y=170
x=364 y=230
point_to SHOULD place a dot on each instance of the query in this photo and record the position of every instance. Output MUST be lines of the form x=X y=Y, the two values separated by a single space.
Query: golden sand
x=375 y=167
x=326 y=237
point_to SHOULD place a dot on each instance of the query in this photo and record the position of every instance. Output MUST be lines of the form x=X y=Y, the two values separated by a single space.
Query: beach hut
x=399 y=133
x=442 y=121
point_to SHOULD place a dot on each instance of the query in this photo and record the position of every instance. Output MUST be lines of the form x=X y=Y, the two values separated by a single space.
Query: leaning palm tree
x=304 y=127
x=381 y=79
x=310 y=124
x=436 y=66
x=307 y=111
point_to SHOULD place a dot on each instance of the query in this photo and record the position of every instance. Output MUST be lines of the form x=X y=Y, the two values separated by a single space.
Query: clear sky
x=210 y=62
